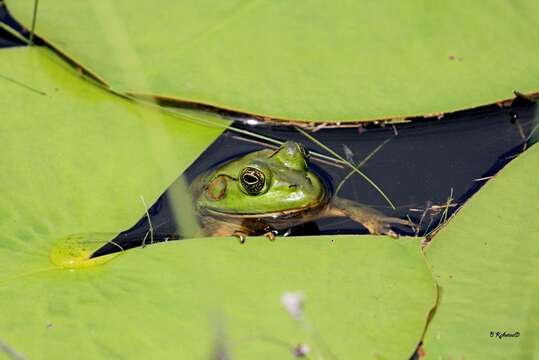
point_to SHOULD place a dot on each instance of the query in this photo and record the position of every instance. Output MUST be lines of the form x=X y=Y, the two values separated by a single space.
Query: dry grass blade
x=446 y=208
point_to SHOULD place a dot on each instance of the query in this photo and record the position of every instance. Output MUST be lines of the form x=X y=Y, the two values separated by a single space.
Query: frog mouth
x=319 y=203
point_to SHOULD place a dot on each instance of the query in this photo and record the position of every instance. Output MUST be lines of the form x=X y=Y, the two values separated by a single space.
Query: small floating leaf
x=74 y=251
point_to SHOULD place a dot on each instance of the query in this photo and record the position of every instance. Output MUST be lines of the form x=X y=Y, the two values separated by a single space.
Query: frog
x=268 y=191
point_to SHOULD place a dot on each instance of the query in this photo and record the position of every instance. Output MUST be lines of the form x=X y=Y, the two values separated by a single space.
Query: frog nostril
x=293 y=186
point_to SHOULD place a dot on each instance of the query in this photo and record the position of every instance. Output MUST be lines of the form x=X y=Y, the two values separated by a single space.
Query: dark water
x=425 y=163
x=6 y=38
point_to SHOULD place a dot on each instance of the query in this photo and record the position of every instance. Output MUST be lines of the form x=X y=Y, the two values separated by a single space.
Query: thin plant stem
x=149 y=222
x=532 y=132
x=34 y=19
x=361 y=164
x=354 y=168
x=13 y=32
x=343 y=181
x=23 y=85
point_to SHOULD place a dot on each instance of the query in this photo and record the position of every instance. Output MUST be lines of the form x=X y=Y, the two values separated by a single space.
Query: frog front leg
x=213 y=227
x=376 y=222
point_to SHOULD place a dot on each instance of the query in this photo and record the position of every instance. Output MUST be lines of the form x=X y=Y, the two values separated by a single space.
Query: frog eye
x=252 y=180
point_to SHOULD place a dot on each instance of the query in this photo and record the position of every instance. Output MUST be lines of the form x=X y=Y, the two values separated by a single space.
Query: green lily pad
x=307 y=60
x=486 y=262
x=77 y=159
x=165 y=300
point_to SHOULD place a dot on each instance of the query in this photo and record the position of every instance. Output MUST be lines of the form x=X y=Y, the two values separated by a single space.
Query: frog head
x=262 y=182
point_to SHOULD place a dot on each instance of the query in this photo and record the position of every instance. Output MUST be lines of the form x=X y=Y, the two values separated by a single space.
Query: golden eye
x=252 y=180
